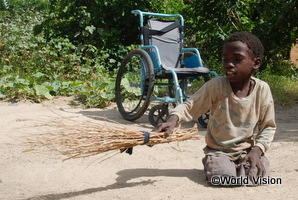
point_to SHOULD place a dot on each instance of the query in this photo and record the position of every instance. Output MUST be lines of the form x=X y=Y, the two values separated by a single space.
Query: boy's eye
x=233 y=60
x=238 y=59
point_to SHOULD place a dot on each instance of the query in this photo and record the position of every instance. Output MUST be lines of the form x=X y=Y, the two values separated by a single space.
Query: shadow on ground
x=125 y=180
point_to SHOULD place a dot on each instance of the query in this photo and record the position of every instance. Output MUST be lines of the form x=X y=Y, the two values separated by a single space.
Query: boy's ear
x=258 y=63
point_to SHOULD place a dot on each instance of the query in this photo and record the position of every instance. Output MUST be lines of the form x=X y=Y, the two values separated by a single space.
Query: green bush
x=209 y=22
x=23 y=4
x=35 y=68
x=102 y=23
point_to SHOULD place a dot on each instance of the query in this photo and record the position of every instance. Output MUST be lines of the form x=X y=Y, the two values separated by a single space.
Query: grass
x=284 y=89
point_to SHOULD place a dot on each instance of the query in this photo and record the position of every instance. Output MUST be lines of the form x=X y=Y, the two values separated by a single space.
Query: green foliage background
x=274 y=22
x=102 y=23
x=51 y=48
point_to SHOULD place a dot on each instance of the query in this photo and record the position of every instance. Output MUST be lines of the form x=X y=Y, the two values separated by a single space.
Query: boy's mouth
x=230 y=72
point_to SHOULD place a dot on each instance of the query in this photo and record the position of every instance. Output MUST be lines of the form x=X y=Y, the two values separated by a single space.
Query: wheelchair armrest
x=194 y=60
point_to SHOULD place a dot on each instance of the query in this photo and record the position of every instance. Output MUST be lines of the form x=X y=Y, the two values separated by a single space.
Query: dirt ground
x=165 y=171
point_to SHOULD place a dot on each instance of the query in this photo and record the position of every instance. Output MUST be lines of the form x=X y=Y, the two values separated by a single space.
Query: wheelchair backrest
x=166 y=36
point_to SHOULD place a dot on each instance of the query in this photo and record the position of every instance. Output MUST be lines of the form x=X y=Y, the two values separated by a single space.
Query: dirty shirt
x=235 y=124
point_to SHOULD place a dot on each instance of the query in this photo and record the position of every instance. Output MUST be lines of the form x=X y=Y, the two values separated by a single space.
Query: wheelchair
x=162 y=70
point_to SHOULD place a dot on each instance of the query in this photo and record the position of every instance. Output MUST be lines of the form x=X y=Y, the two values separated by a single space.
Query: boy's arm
x=167 y=126
x=267 y=127
x=196 y=106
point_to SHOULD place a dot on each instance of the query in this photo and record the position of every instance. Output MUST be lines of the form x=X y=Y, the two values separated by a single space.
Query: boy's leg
x=223 y=166
x=218 y=165
x=245 y=170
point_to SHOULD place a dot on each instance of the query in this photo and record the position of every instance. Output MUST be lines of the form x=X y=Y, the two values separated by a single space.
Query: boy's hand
x=254 y=158
x=167 y=126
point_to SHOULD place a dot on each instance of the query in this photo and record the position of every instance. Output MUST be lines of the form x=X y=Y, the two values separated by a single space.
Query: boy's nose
x=228 y=64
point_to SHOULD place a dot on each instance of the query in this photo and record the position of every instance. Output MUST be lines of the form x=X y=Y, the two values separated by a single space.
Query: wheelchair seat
x=166 y=35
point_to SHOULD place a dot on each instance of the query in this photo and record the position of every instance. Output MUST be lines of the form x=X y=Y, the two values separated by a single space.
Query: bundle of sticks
x=88 y=139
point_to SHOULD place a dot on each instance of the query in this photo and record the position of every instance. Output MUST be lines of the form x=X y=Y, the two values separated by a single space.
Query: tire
x=158 y=114
x=134 y=84
x=203 y=120
x=193 y=84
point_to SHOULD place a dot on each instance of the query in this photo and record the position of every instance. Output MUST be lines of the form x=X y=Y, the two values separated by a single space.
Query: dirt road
x=167 y=171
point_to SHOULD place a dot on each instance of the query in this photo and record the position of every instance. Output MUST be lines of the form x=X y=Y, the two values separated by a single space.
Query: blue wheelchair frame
x=155 y=57
x=161 y=56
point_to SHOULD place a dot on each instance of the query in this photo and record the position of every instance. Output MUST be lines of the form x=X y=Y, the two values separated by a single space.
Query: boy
x=241 y=123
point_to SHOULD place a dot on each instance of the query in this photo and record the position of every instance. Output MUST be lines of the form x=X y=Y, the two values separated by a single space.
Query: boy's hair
x=252 y=42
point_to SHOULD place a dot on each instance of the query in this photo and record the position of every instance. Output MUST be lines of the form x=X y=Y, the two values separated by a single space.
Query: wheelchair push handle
x=138 y=12
x=141 y=14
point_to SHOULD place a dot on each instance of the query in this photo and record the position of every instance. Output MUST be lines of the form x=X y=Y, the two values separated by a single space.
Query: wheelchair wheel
x=203 y=120
x=134 y=84
x=191 y=85
x=158 y=114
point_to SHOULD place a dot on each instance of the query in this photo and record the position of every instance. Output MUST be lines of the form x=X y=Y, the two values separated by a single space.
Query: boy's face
x=239 y=62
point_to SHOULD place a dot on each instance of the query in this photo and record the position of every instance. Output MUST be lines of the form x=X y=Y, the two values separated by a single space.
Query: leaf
x=38 y=75
x=42 y=90
x=110 y=86
x=90 y=29
x=2 y=96
x=77 y=34
x=27 y=150
x=112 y=60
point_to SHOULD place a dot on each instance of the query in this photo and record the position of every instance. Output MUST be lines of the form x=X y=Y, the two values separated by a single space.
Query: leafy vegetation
x=284 y=89
x=274 y=22
x=35 y=68
x=283 y=80
x=102 y=23
x=52 y=48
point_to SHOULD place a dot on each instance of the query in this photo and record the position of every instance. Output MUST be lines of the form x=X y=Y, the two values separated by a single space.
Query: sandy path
x=160 y=172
